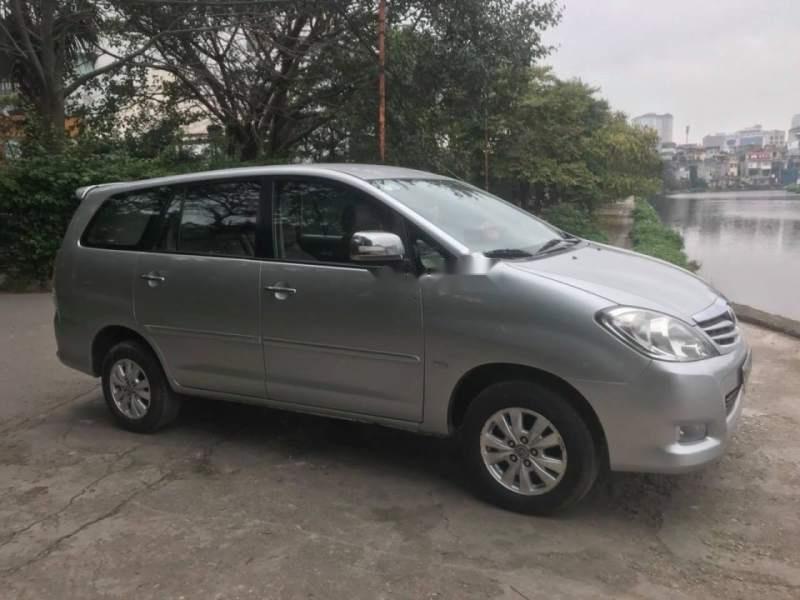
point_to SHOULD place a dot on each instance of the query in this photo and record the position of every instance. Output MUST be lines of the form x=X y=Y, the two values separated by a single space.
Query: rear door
x=197 y=293
x=338 y=335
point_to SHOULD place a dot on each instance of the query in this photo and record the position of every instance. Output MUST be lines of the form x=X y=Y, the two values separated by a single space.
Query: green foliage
x=650 y=236
x=549 y=141
x=794 y=188
x=37 y=201
x=575 y=219
x=37 y=195
x=454 y=70
x=562 y=143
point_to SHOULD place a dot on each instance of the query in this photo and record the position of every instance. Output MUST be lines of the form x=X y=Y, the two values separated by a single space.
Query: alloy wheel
x=523 y=451
x=130 y=388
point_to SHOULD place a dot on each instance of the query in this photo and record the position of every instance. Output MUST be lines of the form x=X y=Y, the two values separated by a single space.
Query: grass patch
x=650 y=236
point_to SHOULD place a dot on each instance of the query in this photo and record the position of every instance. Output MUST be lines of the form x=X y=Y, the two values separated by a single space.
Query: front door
x=336 y=335
x=197 y=294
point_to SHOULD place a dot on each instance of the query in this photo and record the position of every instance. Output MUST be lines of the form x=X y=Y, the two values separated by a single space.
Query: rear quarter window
x=128 y=220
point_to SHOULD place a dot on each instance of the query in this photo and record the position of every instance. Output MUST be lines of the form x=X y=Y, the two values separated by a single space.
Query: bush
x=37 y=200
x=794 y=188
x=650 y=236
x=575 y=219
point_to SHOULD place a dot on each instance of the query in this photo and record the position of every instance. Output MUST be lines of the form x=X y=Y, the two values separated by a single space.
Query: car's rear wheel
x=527 y=449
x=136 y=389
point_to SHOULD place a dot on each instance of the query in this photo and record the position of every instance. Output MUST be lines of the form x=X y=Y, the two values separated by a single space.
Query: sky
x=716 y=65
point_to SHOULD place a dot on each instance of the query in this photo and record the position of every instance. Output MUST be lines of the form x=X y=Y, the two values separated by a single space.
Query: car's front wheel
x=527 y=449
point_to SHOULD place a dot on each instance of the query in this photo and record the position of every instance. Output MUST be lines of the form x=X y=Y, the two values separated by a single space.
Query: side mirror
x=379 y=247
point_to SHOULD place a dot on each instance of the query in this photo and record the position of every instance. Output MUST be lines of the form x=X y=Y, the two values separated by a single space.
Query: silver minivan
x=402 y=298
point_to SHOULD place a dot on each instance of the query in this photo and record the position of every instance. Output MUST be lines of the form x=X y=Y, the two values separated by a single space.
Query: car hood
x=625 y=277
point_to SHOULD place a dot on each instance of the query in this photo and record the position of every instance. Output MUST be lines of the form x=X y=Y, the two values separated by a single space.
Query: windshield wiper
x=507 y=253
x=555 y=243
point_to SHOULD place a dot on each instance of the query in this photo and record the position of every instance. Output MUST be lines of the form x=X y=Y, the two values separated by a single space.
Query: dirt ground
x=243 y=502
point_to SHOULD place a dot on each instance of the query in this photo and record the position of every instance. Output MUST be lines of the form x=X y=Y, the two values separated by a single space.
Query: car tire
x=136 y=389
x=546 y=471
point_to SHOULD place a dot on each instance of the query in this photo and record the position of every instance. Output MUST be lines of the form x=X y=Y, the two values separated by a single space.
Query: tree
x=454 y=70
x=561 y=143
x=53 y=45
x=269 y=72
x=284 y=77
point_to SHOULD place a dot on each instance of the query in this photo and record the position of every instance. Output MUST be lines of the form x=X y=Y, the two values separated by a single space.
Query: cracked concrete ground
x=243 y=502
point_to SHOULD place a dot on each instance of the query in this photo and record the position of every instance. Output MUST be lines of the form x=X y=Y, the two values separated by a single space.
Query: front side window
x=476 y=219
x=429 y=256
x=314 y=221
x=127 y=220
x=217 y=218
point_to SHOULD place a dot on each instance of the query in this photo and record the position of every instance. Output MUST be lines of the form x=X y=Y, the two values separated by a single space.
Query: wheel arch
x=479 y=378
x=110 y=335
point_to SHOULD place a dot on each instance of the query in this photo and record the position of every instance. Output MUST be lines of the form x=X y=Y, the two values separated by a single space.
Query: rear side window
x=217 y=218
x=127 y=220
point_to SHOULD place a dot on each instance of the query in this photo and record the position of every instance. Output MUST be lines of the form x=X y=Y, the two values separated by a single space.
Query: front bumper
x=642 y=419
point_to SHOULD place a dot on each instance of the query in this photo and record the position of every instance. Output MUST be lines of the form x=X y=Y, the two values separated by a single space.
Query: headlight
x=657 y=335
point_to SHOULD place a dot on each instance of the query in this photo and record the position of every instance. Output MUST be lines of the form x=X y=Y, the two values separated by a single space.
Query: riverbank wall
x=755 y=316
x=616 y=220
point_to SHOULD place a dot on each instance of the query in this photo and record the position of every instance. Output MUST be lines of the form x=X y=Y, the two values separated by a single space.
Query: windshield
x=480 y=221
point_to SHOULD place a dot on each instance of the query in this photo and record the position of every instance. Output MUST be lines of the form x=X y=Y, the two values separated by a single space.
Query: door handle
x=281 y=290
x=152 y=278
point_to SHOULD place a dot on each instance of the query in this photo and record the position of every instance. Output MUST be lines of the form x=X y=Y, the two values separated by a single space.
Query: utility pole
x=486 y=149
x=382 y=79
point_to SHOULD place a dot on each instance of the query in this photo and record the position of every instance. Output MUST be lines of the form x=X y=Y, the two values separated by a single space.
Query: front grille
x=730 y=399
x=721 y=328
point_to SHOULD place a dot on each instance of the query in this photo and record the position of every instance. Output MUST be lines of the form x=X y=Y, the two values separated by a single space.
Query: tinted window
x=218 y=218
x=430 y=257
x=314 y=221
x=127 y=220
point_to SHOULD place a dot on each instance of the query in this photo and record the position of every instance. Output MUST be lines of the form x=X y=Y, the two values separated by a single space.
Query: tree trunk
x=525 y=193
x=241 y=142
x=231 y=145
x=539 y=197
x=53 y=117
x=250 y=148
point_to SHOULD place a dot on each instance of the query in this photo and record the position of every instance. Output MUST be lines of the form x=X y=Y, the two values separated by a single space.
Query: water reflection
x=748 y=244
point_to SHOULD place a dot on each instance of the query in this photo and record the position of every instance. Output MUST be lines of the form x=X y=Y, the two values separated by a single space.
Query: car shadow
x=375 y=450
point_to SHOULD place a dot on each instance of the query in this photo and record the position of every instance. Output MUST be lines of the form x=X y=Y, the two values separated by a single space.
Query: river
x=748 y=244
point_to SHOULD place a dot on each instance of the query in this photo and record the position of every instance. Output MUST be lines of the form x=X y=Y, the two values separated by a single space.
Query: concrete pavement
x=242 y=502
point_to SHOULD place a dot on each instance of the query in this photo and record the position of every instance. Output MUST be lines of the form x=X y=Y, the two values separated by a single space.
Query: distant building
x=752 y=137
x=667 y=150
x=663 y=124
x=715 y=141
x=691 y=152
x=764 y=166
x=758 y=163
x=793 y=141
x=733 y=167
x=716 y=152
